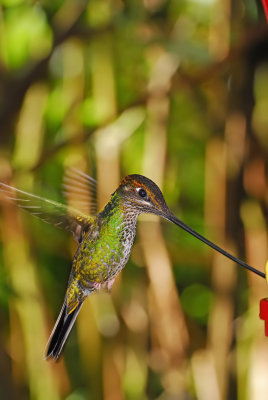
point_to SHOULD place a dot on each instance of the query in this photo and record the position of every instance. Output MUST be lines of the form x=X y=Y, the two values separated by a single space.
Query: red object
x=265 y=6
x=264 y=313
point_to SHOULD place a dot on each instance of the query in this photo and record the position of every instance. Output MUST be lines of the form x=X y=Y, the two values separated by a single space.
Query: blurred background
x=174 y=90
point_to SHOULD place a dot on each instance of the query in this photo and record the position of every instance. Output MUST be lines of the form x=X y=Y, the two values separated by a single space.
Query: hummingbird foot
x=97 y=286
x=110 y=284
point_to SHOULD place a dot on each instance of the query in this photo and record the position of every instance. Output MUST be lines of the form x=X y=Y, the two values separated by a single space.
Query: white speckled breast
x=127 y=234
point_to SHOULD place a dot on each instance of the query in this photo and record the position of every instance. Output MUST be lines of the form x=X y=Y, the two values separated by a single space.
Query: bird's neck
x=117 y=207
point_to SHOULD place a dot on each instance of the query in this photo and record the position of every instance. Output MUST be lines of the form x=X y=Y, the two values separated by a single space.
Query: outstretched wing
x=80 y=191
x=60 y=215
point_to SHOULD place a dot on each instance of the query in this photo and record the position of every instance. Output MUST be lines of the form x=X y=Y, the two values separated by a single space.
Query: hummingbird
x=104 y=239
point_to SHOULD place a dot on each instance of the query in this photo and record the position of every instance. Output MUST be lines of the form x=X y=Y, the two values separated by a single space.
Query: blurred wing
x=80 y=191
x=49 y=211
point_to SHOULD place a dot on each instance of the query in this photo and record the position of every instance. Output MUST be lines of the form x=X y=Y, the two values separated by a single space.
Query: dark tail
x=61 y=331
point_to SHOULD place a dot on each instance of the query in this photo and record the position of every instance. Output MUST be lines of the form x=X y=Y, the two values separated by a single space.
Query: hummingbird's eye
x=142 y=192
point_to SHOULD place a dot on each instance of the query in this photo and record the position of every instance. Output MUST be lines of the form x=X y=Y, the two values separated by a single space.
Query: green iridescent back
x=104 y=249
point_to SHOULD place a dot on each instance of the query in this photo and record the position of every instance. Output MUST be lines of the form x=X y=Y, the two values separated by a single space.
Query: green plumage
x=103 y=251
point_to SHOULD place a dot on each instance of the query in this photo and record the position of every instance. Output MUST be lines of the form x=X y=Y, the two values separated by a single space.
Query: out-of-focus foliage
x=177 y=91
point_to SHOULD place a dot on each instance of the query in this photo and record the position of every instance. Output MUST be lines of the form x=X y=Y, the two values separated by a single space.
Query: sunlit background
x=174 y=90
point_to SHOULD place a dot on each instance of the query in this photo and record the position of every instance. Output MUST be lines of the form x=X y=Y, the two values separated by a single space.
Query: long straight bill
x=176 y=221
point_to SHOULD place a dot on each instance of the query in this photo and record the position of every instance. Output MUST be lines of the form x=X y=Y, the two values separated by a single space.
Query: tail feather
x=61 y=331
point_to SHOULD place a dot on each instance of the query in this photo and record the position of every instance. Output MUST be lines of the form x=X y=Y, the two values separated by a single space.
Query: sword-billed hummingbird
x=104 y=239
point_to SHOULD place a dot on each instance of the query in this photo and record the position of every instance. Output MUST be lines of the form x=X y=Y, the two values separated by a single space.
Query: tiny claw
x=97 y=286
x=110 y=284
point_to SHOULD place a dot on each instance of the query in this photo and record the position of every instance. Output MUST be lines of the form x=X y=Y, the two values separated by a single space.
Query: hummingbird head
x=143 y=195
